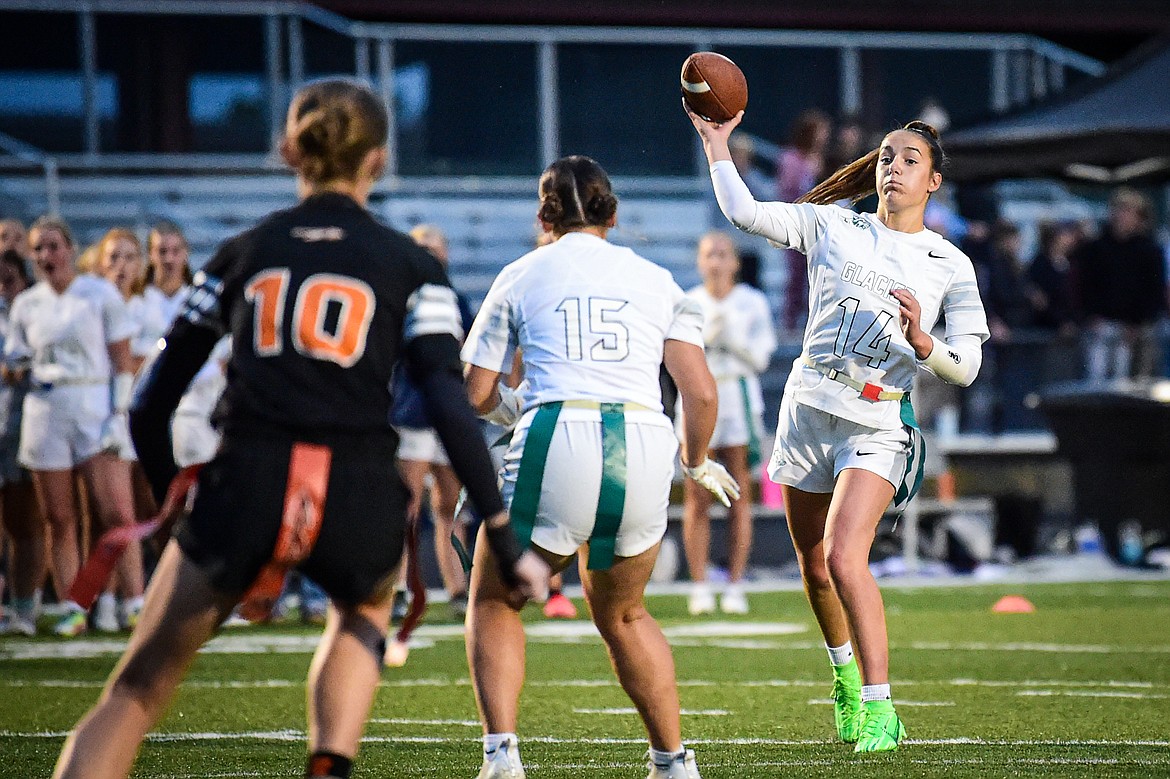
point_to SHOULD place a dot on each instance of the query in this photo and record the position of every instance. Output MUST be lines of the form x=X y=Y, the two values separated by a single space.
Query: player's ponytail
x=575 y=192
x=857 y=180
x=332 y=125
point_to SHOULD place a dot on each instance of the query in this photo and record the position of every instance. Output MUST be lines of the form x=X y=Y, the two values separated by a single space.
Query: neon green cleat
x=847 y=701
x=881 y=730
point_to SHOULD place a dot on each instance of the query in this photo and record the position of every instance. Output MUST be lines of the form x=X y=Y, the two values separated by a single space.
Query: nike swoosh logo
x=865 y=454
x=931 y=253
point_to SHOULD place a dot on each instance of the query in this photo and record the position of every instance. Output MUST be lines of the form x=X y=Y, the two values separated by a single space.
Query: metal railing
x=1023 y=67
x=25 y=154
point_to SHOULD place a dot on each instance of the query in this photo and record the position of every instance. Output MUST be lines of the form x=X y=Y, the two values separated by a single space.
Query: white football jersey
x=590 y=318
x=853 y=262
x=66 y=336
x=737 y=330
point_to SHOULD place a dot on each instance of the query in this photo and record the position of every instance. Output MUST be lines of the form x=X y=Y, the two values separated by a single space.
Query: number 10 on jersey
x=594 y=324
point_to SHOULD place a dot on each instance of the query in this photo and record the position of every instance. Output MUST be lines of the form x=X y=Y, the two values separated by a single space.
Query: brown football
x=713 y=86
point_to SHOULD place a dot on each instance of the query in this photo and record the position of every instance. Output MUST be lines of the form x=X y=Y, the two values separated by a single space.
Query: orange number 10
x=344 y=344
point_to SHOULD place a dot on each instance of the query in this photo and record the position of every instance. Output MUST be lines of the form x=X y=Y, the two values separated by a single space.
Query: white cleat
x=503 y=763
x=701 y=600
x=105 y=614
x=681 y=766
x=734 y=601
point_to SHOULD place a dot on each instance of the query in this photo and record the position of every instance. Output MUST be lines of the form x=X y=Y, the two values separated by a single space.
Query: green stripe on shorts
x=611 y=499
x=526 y=494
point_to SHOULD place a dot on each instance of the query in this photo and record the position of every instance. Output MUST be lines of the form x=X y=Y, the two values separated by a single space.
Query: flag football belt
x=300 y=524
x=596 y=405
x=868 y=391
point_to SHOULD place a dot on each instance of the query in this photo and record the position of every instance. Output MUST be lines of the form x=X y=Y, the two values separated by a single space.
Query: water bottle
x=1131 y=550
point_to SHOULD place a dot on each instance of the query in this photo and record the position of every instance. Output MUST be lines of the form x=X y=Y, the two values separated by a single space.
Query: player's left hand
x=910 y=319
x=716 y=480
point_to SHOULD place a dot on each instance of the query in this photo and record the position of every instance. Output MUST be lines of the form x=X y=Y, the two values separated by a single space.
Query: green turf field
x=1080 y=688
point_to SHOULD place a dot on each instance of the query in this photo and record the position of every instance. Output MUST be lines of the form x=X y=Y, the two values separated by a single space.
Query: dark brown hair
x=14 y=259
x=332 y=125
x=857 y=180
x=159 y=230
x=575 y=192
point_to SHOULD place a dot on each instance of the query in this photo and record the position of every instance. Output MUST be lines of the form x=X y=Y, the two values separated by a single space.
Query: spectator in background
x=18 y=509
x=1003 y=283
x=70 y=334
x=739 y=341
x=13 y=236
x=423 y=461
x=1122 y=284
x=752 y=249
x=743 y=156
x=168 y=276
x=119 y=261
x=1050 y=282
x=848 y=144
x=799 y=167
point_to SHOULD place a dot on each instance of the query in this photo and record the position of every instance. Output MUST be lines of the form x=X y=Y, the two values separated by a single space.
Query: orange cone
x=1013 y=604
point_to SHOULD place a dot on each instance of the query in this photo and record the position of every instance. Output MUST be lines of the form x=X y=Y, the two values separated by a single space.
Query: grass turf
x=1080 y=688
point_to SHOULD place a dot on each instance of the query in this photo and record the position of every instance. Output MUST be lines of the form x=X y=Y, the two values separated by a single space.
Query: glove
x=715 y=478
x=510 y=407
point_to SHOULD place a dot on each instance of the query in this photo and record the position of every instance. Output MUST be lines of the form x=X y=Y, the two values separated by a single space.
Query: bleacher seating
x=485 y=232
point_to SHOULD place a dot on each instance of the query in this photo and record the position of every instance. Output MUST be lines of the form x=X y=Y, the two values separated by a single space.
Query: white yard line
x=1091 y=694
x=297 y=735
x=631 y=710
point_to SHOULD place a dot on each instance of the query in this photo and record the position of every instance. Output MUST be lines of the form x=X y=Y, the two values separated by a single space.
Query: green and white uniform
x=590 y=319
x=740 y=341
x=853 y=337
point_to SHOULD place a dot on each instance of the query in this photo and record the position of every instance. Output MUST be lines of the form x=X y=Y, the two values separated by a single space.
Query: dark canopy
x=1111 y=129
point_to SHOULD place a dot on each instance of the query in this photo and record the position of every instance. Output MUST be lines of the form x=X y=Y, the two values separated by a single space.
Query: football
x=713 y=86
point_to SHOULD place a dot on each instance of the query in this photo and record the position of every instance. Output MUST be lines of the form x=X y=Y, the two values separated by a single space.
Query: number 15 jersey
x=853 y=262
x=590 y=318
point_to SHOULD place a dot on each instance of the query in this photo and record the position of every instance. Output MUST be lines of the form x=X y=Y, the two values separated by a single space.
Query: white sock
x=493 y=741
x=840 y=655
x=875 y=692
x=658 y=757
x=72 y=605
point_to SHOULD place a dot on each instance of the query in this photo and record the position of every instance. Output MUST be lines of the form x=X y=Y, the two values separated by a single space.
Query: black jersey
x=317 y=298
x=321 y=302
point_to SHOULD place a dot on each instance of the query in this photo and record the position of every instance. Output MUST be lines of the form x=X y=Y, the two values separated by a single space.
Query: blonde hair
x=332 y=125
x=426 y=235
x=857 y=180
x=118 y=234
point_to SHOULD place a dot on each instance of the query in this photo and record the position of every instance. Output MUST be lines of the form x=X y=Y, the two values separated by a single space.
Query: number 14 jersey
x=853 y=262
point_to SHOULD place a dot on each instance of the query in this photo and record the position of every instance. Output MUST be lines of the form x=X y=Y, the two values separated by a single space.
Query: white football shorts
x=813 y=447
x=571 y=483
x=421 y=445
x=62 y=426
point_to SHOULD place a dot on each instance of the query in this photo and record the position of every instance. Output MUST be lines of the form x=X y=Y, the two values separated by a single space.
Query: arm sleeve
x=431 y=332
x=957 y=360
x=792 y=225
